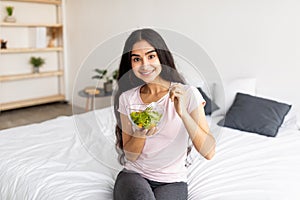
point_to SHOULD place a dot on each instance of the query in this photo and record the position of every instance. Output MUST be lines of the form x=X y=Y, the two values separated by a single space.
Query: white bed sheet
x=65 y=159
x=48 y=161
x=249 y=166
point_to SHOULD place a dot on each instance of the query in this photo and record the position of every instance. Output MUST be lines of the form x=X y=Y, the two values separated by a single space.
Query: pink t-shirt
x=164 y=153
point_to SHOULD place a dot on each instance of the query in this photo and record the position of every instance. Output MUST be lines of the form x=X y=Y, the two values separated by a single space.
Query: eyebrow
x=145 y=53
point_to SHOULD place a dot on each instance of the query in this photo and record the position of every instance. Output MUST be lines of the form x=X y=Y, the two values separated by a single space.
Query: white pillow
x=291 y=120
x=224 y=94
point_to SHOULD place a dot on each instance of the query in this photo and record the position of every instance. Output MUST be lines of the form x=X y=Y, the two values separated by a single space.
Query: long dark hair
x=168 y=73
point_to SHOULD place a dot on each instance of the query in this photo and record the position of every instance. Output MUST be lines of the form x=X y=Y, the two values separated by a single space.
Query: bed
x=74 y=158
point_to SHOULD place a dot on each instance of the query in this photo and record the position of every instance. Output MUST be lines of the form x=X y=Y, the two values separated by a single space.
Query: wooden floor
x=35 y=114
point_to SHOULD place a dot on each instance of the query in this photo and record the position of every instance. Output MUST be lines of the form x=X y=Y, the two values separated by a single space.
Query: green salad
x=146 y=119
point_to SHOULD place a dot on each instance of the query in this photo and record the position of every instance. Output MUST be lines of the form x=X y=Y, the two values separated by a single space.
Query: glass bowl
x=144 y=116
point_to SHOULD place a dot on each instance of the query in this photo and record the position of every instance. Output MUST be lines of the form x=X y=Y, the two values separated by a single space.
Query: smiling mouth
x=146 y=73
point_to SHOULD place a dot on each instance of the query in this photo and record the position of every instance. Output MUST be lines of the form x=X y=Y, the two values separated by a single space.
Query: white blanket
x=75 y=158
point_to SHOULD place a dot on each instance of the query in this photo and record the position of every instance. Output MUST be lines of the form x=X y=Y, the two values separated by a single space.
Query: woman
x=154 y=158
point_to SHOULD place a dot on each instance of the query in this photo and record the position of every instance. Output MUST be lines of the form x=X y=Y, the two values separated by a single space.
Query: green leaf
x=101 y=73
x=37 y=61
x=147 y=118
x=97 y=77
x=115 y=74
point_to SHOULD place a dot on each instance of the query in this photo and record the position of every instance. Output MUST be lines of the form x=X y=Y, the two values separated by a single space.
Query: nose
x=145 y=61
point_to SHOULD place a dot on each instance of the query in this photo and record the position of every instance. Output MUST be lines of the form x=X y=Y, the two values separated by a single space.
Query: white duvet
x=74 y=158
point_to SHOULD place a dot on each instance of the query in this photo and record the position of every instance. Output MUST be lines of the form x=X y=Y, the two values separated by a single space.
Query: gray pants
x=132 y=186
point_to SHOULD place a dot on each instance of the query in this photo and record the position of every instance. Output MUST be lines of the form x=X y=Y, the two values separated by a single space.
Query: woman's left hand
x=177 y=95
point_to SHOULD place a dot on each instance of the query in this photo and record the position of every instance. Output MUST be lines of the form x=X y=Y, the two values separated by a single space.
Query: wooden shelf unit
x=31 y=102
x=30 y=50
x=5 y=24
x=58 y=49
x=55 y=2
x=30 y=75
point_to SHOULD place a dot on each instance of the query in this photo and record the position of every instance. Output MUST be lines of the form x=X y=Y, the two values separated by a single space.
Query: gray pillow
x=255 y=114
x=210 y=106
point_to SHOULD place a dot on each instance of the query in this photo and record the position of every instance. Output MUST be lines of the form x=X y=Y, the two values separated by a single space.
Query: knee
x=132 y=187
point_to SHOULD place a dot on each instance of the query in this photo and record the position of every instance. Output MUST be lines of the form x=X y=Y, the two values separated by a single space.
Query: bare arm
x=198 y=130
x=133 y=142
x=195 y=123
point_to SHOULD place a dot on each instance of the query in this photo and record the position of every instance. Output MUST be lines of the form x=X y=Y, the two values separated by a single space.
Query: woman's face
x=144 y=62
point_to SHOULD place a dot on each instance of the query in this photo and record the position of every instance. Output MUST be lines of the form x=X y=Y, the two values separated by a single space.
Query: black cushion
x=210 y=106
x=255 y=114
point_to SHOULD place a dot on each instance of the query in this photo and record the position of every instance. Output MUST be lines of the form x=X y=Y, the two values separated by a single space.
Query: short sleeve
x=195 y=98
x=122 y=104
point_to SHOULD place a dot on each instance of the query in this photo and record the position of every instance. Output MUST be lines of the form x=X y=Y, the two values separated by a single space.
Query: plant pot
x=36 y=70
x=108 y=86
x=10 y=19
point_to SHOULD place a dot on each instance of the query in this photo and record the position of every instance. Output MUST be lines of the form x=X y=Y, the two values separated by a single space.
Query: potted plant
x=102 y=74
x=115 y=74
x=36 y=62
x=9 y=17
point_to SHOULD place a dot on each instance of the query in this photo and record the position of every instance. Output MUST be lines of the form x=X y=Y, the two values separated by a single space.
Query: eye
x=136 y=59
x=151 y=56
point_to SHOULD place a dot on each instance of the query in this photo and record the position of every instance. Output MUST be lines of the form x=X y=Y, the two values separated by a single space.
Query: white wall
x=257 y=38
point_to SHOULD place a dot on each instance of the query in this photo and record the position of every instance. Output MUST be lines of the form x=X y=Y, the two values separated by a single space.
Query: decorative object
x=255 y=114
x=36 y=62
x=3 y=44
x=52 y=34
x=102 y=74
x=91 y=90
x=10 y=18
x=210 y=105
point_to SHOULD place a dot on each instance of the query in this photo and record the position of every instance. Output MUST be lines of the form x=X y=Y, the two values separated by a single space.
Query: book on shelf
x=38 y=37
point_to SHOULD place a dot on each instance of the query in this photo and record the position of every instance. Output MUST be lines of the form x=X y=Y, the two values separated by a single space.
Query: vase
x=10 y=19
x=108 y=86
x=36 y=69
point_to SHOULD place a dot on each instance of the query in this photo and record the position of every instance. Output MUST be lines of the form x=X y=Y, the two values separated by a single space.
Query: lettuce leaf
x=146 y=119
